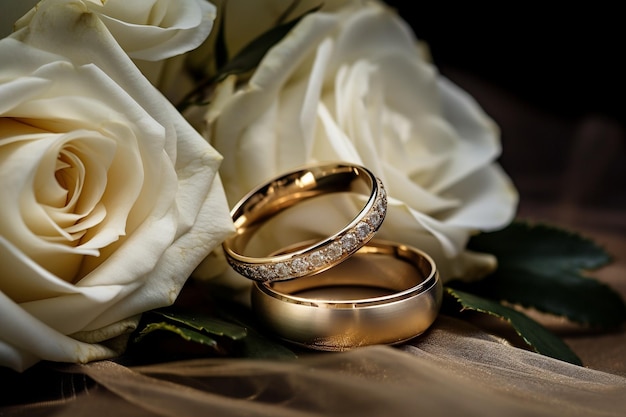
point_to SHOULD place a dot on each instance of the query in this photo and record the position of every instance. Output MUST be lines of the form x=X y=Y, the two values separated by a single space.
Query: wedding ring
x=283 y=192
x=386 y=293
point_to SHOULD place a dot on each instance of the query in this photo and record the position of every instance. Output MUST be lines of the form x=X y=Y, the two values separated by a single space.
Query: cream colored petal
x=35 y=282
x=158 y=29
x=335 y=145
x=87 y=304
x=136 y=255
x=489 y=200
x=442 y=242
x=478 y=143
x=371 y=29
x=472 y=266
x=21 y=341
x=314 y=86
x=16 y=91
x=401 y=187
x=353 y=96
x=279 y=63
x=112 y=334
x=146 y=30
x=245 y=135
x=162 y=285
x=21 y=220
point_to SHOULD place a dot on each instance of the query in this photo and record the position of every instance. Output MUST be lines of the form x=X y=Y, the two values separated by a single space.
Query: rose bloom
x=150 y=31
x=109 y=198
x=353 y=85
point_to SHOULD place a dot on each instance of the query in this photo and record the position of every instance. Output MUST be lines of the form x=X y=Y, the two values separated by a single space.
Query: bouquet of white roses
x=129 y=129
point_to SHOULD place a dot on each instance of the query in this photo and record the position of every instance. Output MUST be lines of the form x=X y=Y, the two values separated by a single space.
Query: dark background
x=554 y=83
x=568 y=62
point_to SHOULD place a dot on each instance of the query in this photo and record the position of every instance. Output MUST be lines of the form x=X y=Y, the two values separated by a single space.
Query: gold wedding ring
x=268 y=200
x=385 y=293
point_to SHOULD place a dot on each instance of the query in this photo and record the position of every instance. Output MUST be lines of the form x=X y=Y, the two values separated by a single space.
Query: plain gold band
x=407 y=297
x=285 y=191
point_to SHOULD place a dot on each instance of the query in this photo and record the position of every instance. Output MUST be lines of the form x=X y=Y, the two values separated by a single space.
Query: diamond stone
x=317 y=259
x=282 y=269
x=381 y=207
x=362 y=230
x=263 y=272
x=333 y=252
x=375 y=218
x=349 y=242
x=299 y=265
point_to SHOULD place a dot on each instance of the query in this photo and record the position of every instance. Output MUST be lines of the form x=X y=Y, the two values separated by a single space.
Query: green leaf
x=189 y=335
x=540 y=339
x=204 y=323
x=542 y=267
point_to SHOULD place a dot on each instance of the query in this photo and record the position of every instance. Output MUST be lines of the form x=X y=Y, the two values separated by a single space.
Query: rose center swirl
x=69 y=186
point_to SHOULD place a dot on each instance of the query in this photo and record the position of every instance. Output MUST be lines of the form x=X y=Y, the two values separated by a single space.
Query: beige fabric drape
x=452 y=370
x=455 y=368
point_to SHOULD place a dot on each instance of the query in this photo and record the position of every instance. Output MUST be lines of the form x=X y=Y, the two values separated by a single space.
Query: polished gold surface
x=262 y=204
x=385 y=293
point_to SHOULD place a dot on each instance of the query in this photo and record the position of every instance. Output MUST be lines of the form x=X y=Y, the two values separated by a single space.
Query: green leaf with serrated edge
x=540 y=339
x=542 y=266
x=204 y=323
x=189 y=335
x=245 y=60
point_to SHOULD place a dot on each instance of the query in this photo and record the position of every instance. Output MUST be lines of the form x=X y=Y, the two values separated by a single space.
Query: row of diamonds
x=306 y=264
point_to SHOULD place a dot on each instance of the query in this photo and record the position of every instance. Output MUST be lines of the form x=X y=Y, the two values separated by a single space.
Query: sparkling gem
x=299 y=265
x=349 y=242
x=375 y=218
x=333 y=252
x=362 y=230
x=281 y=269
x=317 y=259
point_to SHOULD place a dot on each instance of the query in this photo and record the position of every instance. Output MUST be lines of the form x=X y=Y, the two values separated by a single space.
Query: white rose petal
x=154 y=33
x=351 y=85
x=110 y=198
x=153 y=30
x=150 y=30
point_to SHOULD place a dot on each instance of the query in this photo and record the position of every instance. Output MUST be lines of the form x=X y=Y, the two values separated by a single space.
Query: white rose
x=150 y=31
x=352 y=86
x=109 y=198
